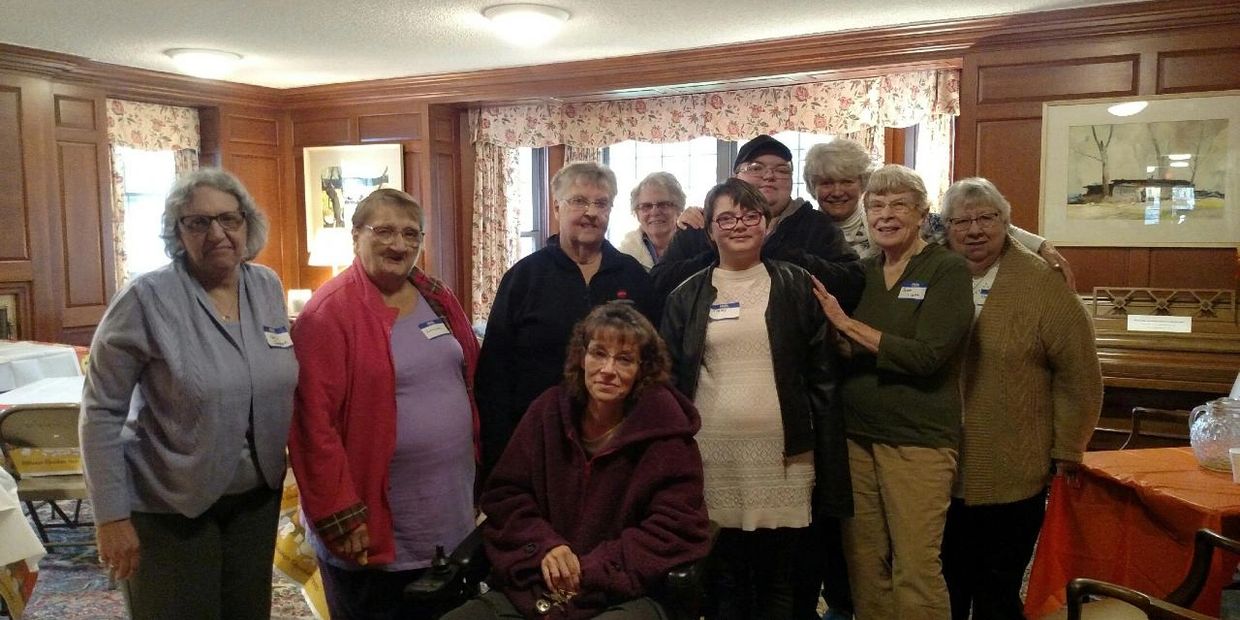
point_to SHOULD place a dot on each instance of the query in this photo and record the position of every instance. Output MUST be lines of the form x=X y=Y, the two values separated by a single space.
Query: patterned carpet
x=73 y=586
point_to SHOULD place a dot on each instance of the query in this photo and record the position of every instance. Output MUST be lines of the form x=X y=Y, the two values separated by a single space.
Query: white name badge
x=912 y=290
x=979 y=296
x=433 y=329
x=725 y=312
x=277 y=337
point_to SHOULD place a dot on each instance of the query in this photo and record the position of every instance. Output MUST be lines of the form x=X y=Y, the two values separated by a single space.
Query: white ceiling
x=289 y=43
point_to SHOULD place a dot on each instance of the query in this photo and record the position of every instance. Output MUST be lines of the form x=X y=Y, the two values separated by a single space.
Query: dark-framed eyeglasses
x=759 y=169
x=388 y=234
x=985 y=221
x=229 y=220
x=662 y=205
x=727 y=221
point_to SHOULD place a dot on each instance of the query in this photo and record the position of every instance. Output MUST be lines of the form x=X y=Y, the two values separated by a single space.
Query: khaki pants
x=893 y=540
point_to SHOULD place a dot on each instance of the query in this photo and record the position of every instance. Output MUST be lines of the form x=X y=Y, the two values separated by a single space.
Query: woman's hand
x=118 y=548
x=353 y=545
x=830 y=305
x=1058 y=263
x=561 y=570
x=691 y=217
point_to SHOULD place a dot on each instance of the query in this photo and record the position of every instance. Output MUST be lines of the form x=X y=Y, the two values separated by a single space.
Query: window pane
x=149 y=176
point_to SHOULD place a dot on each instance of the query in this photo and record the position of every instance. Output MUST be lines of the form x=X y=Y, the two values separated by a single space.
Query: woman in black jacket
x=751 y=347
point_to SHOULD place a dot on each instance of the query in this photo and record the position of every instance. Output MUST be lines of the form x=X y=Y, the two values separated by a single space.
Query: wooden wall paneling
x=445 y=197
x=1198 y=70
x=85 y=207
x=37 y=222
x=1193 y=267
x=465 y=214
x=248 y=142
x=1014 y=144
x=1076 y=78
x=15 y=243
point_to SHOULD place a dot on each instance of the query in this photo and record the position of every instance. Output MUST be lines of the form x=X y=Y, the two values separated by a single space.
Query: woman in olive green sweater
x=901 y=404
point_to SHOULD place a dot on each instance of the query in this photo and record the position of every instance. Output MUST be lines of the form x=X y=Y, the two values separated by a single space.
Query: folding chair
x=40 y=447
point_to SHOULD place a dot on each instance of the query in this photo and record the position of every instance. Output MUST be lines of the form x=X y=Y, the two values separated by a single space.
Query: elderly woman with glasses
x=384 y=436
x=657 y=201
x=750 y=346
x=901 y=403
x=185 y=413
x=542 y=296
x=1032 y=393
x=600 y=492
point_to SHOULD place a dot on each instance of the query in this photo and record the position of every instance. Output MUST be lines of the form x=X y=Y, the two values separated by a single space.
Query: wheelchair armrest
x=451 y=577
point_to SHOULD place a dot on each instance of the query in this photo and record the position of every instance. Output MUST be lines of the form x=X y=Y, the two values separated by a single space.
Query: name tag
x=913 y=290
x=979 y=297
x=277 y=337
x=433 y=329
x=725 y=312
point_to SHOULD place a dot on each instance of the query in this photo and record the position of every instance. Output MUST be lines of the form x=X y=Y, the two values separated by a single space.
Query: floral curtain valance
x=840 y=107
x=152 y=127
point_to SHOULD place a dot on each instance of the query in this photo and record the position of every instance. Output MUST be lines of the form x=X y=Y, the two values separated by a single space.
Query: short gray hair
x=975 y=192
x=388 y=196
x=837 y=159
x=588 y=172
x=665 y=181
x=894 y=179
x=182 y=195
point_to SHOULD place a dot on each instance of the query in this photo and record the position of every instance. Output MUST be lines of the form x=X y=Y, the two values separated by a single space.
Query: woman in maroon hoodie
x=599 y=493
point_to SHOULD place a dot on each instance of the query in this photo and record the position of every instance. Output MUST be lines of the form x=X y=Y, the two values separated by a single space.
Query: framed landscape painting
x=1150 y=171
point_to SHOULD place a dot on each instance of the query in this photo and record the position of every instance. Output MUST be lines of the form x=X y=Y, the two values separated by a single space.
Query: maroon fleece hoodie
x=630 y=513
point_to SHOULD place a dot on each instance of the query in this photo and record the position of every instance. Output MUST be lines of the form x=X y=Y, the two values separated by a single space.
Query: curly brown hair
x=621 y=319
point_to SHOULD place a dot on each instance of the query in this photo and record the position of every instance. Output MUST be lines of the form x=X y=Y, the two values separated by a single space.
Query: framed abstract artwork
x=337 y=178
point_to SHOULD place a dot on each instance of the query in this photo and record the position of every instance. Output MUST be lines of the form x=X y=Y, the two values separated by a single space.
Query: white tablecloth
x=52 y=391
x=27 y=362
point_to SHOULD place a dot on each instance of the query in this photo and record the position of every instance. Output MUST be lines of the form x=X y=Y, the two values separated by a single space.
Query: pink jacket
x=344 y=418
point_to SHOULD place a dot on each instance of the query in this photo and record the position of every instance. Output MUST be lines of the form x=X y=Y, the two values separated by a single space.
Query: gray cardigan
x=170 y=394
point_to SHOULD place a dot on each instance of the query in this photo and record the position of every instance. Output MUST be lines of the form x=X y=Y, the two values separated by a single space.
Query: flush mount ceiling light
x=1128 y=108
x=204 y=63
x=526 y=25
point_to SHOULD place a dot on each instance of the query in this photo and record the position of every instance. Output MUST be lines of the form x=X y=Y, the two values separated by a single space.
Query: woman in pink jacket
x=384 y=437
x=599 y=492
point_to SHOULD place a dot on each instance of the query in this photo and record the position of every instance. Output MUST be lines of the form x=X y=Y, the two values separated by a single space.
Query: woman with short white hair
x=657 y=201
x=1032 y=390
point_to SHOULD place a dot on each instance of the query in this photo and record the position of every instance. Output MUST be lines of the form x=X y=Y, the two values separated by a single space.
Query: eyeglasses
x=759 y=169
x=622 y=360
x=229 y=220
x=727 y=221
x=984 y=221
x=581 y=203
x=898 y=206
x=662 y=205
x=388 y=234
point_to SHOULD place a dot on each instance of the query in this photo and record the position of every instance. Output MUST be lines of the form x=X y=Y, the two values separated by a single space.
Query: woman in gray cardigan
x=186 y=412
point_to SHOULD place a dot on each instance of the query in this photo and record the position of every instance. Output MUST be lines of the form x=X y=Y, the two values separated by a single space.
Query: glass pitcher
x=1213 y=428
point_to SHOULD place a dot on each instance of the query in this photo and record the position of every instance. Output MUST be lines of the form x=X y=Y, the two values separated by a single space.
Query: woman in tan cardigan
x=1032 y=390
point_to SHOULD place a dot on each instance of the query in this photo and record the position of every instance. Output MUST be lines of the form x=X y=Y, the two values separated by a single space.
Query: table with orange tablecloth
x=1130 y=519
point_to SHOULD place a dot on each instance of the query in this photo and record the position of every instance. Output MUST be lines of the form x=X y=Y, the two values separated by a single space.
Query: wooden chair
x=1163 y=428
x=45 y=427
x=1118 y=602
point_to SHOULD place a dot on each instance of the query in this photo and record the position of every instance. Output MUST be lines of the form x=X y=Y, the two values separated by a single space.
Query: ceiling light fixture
x=204 y=63
x=526 y=25
x=1128 y=108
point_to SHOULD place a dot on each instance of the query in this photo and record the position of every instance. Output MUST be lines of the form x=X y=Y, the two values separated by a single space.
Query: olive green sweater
x=1032 y=383
x=908 y=394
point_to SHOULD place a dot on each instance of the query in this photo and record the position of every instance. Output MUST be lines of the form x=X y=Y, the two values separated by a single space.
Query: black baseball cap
x=759 y=146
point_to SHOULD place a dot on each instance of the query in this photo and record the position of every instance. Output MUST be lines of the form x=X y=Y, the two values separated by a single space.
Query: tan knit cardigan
x=1032 y=385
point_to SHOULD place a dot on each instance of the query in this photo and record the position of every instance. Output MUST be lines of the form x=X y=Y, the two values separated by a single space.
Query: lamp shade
x=333 y=248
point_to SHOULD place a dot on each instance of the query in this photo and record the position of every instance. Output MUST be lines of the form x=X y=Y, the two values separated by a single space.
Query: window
x=149 y=176
x=528 y=195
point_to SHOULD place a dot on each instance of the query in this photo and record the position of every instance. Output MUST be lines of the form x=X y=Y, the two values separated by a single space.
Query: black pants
x=216 y=566
x=752 y=573
x=370 y=593
x=821 y=566
x=985 y=552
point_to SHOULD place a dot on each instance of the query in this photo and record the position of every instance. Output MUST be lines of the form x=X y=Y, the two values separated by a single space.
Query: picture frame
x=10 y=315
x=1158 y=171
x=336 y=179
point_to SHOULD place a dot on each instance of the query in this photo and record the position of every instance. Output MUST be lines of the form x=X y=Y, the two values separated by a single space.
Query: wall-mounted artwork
x=8 y=316
x=339 y=177
x=1156 y=171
